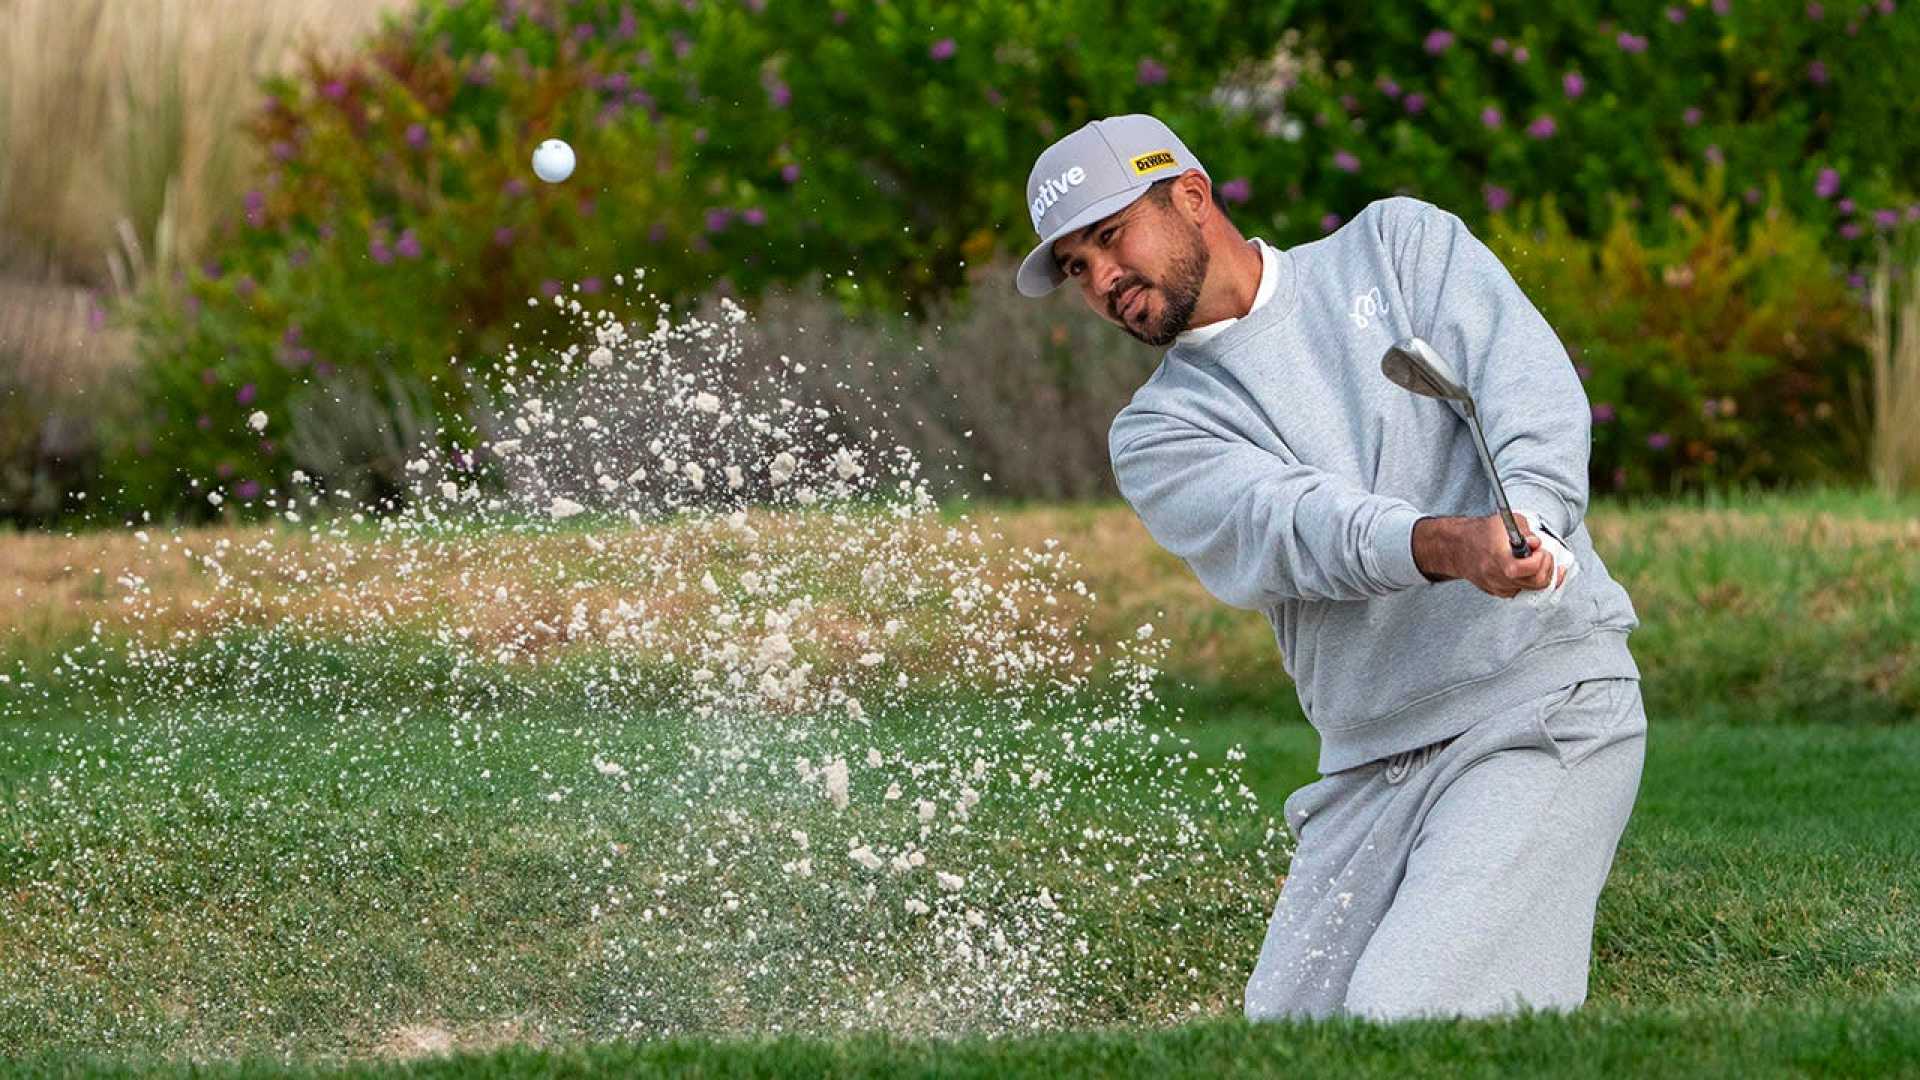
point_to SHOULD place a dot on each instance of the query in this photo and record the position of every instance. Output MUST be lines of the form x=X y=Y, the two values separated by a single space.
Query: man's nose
x=1109 y=276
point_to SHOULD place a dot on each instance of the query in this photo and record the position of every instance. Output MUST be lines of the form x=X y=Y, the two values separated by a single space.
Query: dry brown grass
x=1895 y=349
x=132 y=111
x=53 y=589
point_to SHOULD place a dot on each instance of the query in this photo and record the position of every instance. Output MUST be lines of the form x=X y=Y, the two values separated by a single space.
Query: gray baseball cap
x=1097 y=171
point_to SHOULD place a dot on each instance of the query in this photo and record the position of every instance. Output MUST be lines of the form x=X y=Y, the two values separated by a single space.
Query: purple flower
x=942 y=49
x=590 y=285
x=1721 y=7
x=292 y=335
x=1330 y=223
x=1349 y=103
x=408 y=246
x=514 y=187
x=503 y=236
x=324 y=368
x=208 y=376
x=1886 y=219
x=379 y=252
x=1498 y=198
x=1713 y=155
x=1816 y=12
x=780 y=94
x=755 y=216
x=1583 y=371
x=246 y=489
x=245 y=394
x=1659 y=440
x=1520 y=55
x=1490 y=117
x=334 y=90
x=1346 y=162
x=1415 y=104
x=583 y=32
x=1885 y=7
x=1752 y=196
x=1851 y=230
x=1438 y=41
x=1542 y=127
x=223 y=470
x=1691 y=117
x=993 y=96
x=1913 y=212
x=628 y=25
x=1389 y=88
x=700 y=135
x=1237 y=190
x=549 y=287
x=1573 y=83
x=790 y=173
x=282 y=150
x=1817 y=73
x=1602 y=413
x=1632 y=43
x=1499 y=46
x=254 y=200
x=1150 y=72
x=204 y=422
x=839 y=17
x=717 y=220
x=1828 y=183
x=1676 y=16
x=1846 y=206
x=417 y=135
x=297 y=257
x=243 y=287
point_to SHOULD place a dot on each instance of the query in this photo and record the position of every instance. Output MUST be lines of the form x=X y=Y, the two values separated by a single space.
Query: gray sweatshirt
x=1284 y=468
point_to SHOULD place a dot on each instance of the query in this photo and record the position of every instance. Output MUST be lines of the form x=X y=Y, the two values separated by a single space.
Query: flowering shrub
x=722 y=146
x=878 y=150
x=1478 y=105
x=1710 y=359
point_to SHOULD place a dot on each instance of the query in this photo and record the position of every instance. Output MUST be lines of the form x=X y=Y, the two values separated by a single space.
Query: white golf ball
x=553 y=161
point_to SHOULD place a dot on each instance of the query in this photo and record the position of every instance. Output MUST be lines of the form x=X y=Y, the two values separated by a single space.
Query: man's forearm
x=1435 y=539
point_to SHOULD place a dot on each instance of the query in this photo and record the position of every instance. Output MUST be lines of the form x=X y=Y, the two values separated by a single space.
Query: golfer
x=1479 y=754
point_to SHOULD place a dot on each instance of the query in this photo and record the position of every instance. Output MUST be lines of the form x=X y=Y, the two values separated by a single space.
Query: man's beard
x=1181 y=292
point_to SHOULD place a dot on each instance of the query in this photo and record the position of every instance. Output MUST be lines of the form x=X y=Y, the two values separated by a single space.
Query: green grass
x=297 y=861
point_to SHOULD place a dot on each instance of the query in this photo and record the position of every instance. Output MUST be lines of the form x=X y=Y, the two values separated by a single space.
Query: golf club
x=1415 y=365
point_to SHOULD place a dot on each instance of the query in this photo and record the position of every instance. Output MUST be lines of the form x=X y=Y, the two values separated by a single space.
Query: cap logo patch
x=1146 y=163
x=1052 y=188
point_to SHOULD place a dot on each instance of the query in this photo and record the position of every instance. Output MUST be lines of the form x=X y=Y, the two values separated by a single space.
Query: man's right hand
x=1476 y=549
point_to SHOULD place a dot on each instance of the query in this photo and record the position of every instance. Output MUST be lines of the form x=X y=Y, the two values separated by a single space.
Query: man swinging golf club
x=1478 y=757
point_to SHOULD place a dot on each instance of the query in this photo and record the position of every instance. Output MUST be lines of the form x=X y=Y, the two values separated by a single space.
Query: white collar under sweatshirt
x=1287 y=471
x=1269 y=282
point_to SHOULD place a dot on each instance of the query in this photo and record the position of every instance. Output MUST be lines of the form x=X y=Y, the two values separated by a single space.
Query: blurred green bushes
x=876 y=151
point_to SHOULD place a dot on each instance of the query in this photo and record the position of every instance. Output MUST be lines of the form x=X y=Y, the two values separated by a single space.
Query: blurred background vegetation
x=324 y=211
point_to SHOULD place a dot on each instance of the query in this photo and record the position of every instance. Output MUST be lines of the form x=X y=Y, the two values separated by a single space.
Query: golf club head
x=1414 y=365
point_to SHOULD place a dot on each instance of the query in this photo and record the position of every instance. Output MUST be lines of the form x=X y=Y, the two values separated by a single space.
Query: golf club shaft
x=1514 y=538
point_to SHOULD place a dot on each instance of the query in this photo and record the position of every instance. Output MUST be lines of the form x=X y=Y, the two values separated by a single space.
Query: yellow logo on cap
x=1147 y=163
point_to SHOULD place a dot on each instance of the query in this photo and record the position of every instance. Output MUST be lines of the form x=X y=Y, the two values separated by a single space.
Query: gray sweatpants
x=1459 y=878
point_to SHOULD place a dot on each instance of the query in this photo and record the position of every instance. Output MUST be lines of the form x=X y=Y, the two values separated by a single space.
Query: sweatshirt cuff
x=1393 y=547
x=1541 y=501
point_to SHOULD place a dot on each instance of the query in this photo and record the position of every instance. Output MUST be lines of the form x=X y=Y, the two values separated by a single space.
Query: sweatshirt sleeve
x=1257 y=529
x=1462 y=300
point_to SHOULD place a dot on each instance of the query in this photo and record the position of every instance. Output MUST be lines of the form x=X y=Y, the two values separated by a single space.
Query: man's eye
x=1107 y=235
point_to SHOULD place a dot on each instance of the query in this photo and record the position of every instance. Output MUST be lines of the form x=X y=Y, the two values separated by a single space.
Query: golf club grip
x=1519 y=548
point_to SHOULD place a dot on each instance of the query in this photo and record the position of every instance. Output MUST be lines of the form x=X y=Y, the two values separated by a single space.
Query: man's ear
x=1193 y=193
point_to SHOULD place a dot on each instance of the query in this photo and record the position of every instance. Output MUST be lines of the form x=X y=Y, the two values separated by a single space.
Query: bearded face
x=1140 y=269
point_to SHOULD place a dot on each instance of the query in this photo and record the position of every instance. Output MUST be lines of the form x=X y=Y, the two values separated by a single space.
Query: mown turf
x=260 y=874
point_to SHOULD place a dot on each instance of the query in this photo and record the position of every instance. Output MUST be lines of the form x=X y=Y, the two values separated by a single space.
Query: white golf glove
x=1562 y=557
